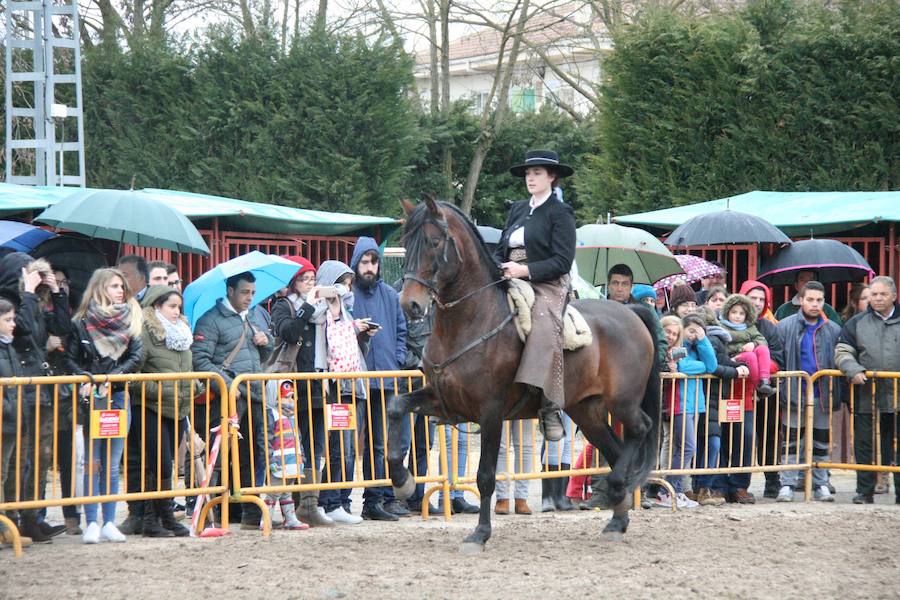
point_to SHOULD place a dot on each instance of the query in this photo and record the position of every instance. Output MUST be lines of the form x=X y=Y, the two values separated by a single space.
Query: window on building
x=522 y=100
x=479 y=102
x=564 y=95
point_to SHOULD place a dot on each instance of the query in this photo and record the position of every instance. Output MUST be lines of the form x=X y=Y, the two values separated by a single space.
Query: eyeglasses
x=174 y=283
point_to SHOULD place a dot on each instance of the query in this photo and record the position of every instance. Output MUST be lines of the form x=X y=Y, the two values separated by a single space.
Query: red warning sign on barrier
x=106 y=424
x=731 y=410
x=341 y=416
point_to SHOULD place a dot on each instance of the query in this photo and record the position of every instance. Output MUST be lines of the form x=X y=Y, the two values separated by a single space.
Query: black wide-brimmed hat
x=542 y=158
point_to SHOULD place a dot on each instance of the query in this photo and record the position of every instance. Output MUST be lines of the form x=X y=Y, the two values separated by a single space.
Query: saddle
x=576 y=333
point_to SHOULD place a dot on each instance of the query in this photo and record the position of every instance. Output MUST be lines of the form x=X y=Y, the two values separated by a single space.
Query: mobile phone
x=373 y=325
x=328 y=291
x=679 y=352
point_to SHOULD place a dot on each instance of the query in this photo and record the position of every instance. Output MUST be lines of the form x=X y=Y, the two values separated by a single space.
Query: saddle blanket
x=576 y=333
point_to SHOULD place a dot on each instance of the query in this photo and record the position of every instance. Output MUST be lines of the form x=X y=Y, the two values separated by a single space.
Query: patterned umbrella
x=695 y=269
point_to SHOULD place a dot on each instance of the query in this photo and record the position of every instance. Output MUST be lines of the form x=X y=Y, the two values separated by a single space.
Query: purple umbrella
x=695 y=269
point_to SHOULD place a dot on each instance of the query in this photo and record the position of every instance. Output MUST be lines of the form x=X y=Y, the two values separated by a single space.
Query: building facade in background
x=553 y=42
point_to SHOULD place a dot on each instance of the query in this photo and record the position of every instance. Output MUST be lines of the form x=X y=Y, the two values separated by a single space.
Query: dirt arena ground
x=768 y=550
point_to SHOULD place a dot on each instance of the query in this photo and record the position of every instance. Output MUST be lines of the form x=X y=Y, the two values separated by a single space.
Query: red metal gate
x=225 y=245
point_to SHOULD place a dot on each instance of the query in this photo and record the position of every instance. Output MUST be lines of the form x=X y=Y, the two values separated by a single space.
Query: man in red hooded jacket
x=766 y=423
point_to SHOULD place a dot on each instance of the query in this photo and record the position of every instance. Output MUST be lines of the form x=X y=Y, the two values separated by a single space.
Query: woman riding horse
x=538 y=244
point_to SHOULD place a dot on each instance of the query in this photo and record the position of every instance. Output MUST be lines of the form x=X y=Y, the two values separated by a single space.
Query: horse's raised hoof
x=471 y=548
x=406 y=489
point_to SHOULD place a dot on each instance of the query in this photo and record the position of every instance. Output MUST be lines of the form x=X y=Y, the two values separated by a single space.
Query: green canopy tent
x=233 y=214
x=795 y=213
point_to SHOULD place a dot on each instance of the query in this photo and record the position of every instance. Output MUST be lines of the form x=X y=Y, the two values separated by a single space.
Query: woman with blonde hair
x=106 y=341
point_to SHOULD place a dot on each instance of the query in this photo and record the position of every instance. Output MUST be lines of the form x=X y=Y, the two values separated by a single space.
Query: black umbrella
x=78 y=256
x=726 y=227
x=833 y=262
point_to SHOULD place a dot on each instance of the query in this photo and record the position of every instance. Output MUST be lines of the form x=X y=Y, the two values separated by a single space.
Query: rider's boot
x=551 y=421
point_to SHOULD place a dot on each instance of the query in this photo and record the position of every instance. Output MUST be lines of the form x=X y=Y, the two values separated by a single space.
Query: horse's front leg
x=487 y=479
x=398 y=410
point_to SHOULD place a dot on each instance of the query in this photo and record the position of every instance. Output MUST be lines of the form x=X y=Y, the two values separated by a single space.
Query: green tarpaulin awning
x=795 y=213
x=237 y=215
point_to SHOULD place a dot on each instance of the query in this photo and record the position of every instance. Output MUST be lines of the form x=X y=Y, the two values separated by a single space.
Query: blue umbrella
x=272 y=273
x=22 y=237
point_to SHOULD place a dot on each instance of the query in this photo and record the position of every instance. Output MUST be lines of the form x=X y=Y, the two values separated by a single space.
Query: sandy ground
x=768 y=550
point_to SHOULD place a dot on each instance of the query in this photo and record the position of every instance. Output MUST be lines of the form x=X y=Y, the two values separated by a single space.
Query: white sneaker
x=823 y=494
x=663 y=500
x=685 y=502
x=785 y=494
x=111 y=533
x=324 y=516
x=91 y=533
x=339 y=515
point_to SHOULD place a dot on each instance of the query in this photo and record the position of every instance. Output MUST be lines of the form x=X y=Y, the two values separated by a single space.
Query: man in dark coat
x=870 y=341
x=378 y=301
x=216 y=336
x=809 y=339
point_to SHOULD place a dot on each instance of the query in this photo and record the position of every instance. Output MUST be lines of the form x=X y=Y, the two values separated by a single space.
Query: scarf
x=735 y=326
x=108 y=328
x=178 y=334
x=296 y=301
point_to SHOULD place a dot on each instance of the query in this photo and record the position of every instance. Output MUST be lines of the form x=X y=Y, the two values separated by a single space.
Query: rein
x=433 y=292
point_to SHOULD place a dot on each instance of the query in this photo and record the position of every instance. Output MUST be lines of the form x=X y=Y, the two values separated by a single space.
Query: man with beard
x=376 y=300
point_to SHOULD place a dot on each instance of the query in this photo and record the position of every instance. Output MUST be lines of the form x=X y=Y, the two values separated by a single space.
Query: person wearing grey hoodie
x=341 y=343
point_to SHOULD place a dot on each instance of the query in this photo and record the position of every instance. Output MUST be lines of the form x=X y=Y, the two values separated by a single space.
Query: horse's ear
x=433 y=208
x=407 y=206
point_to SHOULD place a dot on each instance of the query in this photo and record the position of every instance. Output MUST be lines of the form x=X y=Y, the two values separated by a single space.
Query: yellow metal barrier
x=759 y=450
x=337 y=414
x=883 y=439
x=48 y=412
x=746 y=448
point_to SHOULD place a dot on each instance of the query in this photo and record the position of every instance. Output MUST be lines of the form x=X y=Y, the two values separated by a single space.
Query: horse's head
x=432 y=255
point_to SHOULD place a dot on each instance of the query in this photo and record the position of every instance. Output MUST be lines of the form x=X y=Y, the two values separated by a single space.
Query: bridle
x=447 y=240
x=437 y=369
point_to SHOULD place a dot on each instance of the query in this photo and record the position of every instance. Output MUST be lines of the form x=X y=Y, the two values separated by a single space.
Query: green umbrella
x=127 y=217
x=600 y=247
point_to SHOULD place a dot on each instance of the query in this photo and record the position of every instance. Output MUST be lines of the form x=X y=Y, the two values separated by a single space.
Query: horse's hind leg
x=635 y=425
x=592 y=420
x=487 y=479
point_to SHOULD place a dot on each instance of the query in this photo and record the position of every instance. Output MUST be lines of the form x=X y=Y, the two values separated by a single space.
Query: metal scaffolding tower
x=44 y=116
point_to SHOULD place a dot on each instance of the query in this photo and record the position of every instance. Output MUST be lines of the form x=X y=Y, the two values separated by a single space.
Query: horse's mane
x=414 y=240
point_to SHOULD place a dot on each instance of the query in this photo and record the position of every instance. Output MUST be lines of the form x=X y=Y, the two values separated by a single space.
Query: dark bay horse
x=473 y=353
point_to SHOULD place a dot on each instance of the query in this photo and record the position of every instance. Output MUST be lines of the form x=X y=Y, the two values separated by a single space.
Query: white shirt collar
x=536 y=201
x=885 y=318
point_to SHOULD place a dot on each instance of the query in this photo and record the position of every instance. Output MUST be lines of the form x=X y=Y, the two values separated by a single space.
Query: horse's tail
x=648 y=453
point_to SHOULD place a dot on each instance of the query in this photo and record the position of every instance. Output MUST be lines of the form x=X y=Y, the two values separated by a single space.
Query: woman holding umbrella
x=538 y=244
